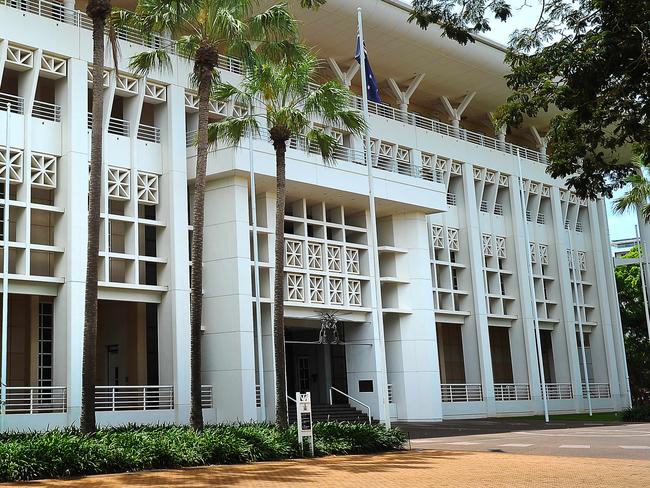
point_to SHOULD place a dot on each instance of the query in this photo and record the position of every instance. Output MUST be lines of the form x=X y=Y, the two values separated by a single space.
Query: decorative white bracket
x=542 y=141
x=456 y=113
x=404 y=97
x=344 y=77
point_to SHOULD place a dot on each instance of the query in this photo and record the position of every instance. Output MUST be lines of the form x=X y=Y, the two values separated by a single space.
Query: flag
x=371 y=81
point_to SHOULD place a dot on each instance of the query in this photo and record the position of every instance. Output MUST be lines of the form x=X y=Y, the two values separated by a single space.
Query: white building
x=458 y=336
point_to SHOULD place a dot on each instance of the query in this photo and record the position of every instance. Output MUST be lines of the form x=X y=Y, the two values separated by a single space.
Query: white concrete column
x=542 y=142
x=73 y=231
x=568 y=323
x=455 y=114
x=475 y=269
x=411 y=342
x=602 y=260
x=344 y=77
x=228 y=361
x=526 y=299
x=174 y=310
x=404 y=97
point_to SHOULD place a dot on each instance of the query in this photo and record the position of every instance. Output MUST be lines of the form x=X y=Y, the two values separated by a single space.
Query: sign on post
x=303 y=411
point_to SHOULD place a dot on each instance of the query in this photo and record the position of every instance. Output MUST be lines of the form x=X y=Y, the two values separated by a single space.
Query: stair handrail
x=350 y=398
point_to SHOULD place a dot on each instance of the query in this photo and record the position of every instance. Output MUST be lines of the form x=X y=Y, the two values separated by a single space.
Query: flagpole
x=377 y=308
x=531 y=284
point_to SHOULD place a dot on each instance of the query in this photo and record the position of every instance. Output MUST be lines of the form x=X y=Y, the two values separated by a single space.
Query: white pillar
x=455 y=114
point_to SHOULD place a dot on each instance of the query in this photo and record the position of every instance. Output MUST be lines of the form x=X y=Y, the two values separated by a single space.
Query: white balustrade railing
x=511 y=391
x=597 y=390
x=559 y=391
x=461 y=393
x=36 y=399
x=119 y=127
x=148 y=133
x=145 y=397
x=15 y=103
x=47 y=111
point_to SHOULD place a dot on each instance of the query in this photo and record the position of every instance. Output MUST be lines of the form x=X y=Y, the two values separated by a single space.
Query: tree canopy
x=587 y=59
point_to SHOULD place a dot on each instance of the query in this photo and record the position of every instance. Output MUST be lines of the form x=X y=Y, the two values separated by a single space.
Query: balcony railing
x=541 y=218
x=451 y=199
x=15 y=103
x=36 y=399
x=148 y=133
x=504 y=392
x=484 y=206
x=461 y=393
x=114 y=398
x=119 y=127
x=47 y=111
x=559 y=391
x=597 y=390
x=498 y=208
x=206 y=396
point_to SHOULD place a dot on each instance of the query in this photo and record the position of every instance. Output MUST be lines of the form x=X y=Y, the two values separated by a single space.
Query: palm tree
x=204 y=30
x=99 y=12
x=291 y=102
x=638 y=195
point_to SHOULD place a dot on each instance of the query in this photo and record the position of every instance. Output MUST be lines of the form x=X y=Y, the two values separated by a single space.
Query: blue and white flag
x=371 y=81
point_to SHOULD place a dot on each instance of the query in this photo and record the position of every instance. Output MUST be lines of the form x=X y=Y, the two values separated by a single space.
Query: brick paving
x=413 y=469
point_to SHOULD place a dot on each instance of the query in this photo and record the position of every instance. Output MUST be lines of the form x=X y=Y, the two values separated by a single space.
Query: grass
x=578 y=417
x=65 y=453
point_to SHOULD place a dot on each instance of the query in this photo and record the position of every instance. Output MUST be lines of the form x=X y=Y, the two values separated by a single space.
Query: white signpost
x=303 y=411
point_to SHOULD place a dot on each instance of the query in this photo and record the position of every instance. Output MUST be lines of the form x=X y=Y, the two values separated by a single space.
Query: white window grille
x=569 y=256
x=386 y=154
x=334 y=258
x=453 y=239
x=335 y=286
x=15 y=165
x=504 y=180
x=487 y=245
x=293 y=253
x=354 y=293
x=105 y=76
x=352 y=261
x=533 y=252
x=501 y=246
x=126 y=84
x=578 y=226
x=477 y=172
x=573 y=198
x=191 y=101
x=529 y=217
x=337 y=135
x=53 y=66
x=119 y=183
x=239 y=111
x=543 y=254
x=534 y=187
x=484 y=206
x=20 y=56
x=403 y=157
x=147 y=188
x=567 y=224
x=155 y=92
x=43 y=171
x=316 y=289
x=582 y=260
x=45 y=344
x=451 y=199
x=218 y=108
x=315 y=256
x=498 y=208
x=295 y=287
x=456 y=168
x=546 y=191
x=441 y=165
x=564 y=195
x=490 y=177
x=541 y=218
x=437 y=236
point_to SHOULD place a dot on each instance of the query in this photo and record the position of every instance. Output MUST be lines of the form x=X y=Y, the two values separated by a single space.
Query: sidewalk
x=406 y=469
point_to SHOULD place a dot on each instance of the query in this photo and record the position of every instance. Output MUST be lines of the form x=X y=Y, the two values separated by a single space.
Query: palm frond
x=636 y=197
x=145 y=61
x=326 y=143
x=232 y=130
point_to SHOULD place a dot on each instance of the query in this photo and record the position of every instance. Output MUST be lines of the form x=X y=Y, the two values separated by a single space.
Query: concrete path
x=418 y=468
x=582 y=439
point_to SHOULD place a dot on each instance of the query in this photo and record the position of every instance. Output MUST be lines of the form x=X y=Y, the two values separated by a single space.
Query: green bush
x=640 y=413
x=63 y=453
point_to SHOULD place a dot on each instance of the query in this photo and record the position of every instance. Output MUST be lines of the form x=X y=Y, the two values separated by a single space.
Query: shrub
x=67 y=452
x=640 y=413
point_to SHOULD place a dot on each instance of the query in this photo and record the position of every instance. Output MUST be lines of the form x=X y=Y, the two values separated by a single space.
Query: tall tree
x=99 y=12
x=291 y=106
x=637 y=196
x=204 y=30
x=589 y=61
x=637 y=344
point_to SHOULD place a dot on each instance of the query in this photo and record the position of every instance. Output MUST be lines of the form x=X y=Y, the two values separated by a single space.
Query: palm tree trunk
x=87 y=422
x=196 y=409
x=281 y=412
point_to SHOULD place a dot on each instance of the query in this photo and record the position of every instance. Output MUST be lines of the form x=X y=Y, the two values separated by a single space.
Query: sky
x=525 y=14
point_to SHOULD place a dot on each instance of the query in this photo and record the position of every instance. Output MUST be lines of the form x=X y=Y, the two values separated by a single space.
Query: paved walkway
x=582 y=439
x=418 y=468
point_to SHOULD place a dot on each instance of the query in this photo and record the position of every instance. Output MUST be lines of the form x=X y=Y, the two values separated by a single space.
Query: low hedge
x=640 y=413
x=64 y=453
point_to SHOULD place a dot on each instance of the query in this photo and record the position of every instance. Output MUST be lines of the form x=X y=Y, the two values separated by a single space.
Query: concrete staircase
x=335 y=413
